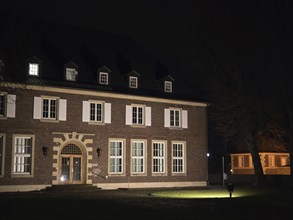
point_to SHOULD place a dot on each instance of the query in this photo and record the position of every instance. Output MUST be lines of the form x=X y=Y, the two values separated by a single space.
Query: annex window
x=23 y=155
x=176 y=118
x=71 y=74
x=50 y=108
x=159 y=157
x=7 y=105
x=178 y=157
x=116 y=157
x=133 y=82
x=241 y=162
x=33 y=69
x=103 y=78
x=138 y=157
x=2 y=151
x=98 y=112
x=168 y=86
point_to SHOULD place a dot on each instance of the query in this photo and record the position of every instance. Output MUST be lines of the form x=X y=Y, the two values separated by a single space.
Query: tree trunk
x=258 y=171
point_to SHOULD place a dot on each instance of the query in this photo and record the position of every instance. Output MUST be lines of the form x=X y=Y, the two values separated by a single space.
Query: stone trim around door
x=84 y=142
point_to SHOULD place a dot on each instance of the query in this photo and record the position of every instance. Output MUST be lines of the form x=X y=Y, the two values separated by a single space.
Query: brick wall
x=195 y=137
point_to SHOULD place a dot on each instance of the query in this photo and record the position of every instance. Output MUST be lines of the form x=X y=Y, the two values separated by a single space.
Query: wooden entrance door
x=71 y=165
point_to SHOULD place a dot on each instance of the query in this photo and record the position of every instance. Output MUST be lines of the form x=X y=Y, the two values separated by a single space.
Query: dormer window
x=132 y=82
x=168 y=86
x=103 y=78
x=33 y=69
x=71 y=74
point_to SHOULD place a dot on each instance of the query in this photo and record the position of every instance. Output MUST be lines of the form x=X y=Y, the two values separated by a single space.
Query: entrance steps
x=72 y=188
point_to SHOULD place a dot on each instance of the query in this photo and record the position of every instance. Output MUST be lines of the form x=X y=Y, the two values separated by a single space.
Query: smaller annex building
x=86 y=107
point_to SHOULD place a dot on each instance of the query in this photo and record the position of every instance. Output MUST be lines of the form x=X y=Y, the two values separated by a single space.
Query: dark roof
x=56 y=45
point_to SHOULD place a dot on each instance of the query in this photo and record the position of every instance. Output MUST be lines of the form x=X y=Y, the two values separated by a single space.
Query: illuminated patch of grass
x=201 y=193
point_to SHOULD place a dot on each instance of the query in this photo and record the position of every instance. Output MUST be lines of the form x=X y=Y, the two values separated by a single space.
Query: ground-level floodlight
x=230 y=188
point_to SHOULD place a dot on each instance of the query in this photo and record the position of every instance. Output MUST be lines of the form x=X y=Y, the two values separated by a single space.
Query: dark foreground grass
x=259 y=203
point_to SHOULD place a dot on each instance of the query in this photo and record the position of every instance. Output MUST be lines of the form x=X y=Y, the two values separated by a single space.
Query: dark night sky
x=183 y=34
x=179 y=33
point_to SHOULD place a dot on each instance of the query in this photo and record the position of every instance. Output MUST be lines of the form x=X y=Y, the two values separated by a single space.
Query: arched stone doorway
x=71 y=165
x=72 y=158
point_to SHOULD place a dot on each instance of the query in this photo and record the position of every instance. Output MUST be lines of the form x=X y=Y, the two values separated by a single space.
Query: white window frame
x=95 y=114
x=71 y=74
x=136 y=119
x=2 y=153
x=19 y=155
x=173 y=120
x=168 y=86
x=179 y=160
x=133 y=82
x=116 y=157
x=136 y=157
x=49 y=117
x=103 y=78
x=34 y=69
x=159 y=158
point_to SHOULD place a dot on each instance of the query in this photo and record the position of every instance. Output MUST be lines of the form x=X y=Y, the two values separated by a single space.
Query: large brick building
x=85 y=107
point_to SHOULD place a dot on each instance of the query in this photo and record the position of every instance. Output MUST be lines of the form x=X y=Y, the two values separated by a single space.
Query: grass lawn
x=248 y=202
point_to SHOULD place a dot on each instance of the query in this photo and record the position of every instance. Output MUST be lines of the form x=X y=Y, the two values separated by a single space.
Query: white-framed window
x=138 y=156
x=133 y=82
x=95 y=111
x=168 y=86
x=33 y=69
x=7 y=105
x=178 y=157
x=103 y=78
x=50 y=108
x=138 y=115
x=159 y=157
x=116 y=156
x=176 y=118
x=71 y=74
x=23 y=146
x=2 y=153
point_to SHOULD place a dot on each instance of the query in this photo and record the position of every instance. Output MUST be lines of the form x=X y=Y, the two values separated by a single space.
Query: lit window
x=49 y=108
x=159 y=154
x=2 y=105
x=241 y=161
x=175 y=118
x=33 y=69
x=168 y=86
x=22 y=159
x=133 y=82
x=116 y=157
x=271 y=160
x=96 y=112
x=103 y=78
x=178 y=157
x=138 y=157
x=137 y=115
x=71 y=74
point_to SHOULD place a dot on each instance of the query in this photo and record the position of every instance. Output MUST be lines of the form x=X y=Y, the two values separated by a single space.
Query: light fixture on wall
x=99 y=151
x=45 y=150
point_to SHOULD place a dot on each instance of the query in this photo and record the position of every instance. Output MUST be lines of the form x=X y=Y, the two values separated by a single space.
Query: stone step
x=72 y=188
